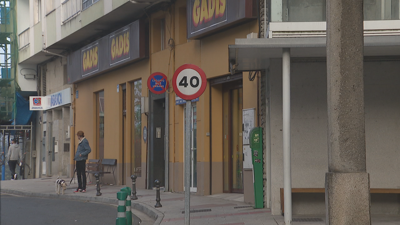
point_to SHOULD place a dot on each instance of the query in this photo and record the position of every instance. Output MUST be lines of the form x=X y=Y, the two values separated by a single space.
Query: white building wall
x=60 y=117
x=22 y=15
x=24 y=83
x=309 y=131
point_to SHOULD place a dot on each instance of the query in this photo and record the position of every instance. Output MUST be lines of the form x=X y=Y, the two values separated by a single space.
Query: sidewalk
x=221 y=209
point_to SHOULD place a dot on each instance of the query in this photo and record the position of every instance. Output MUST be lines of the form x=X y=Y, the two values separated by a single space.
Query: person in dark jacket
x=81 y=156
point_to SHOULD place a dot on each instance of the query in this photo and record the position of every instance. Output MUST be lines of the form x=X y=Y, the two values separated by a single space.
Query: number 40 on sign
x=189 y=81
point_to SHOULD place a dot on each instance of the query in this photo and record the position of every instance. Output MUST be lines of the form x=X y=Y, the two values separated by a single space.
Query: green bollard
x=128 y=212
x=121 y=219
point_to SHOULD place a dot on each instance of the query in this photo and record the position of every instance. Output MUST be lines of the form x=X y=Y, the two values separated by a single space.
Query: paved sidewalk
x=221 y=209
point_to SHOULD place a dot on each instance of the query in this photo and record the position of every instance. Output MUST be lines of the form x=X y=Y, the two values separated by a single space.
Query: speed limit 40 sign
x=189 y=81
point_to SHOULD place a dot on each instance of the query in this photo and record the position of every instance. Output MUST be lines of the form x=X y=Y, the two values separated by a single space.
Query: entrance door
x=156 y=157
x=233 y=141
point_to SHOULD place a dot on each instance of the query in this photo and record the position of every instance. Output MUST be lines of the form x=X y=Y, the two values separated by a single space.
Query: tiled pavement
x=221 y=209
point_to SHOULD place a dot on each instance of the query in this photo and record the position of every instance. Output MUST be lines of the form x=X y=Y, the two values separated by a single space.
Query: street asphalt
x=220 y=209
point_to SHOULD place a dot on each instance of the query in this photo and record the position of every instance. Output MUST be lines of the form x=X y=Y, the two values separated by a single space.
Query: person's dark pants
x=81 y=174
x=12 y=164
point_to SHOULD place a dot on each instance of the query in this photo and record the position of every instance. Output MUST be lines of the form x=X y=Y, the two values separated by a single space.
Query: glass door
x=233 y=141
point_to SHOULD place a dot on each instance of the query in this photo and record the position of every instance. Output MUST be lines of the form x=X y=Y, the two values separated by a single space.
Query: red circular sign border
x=203 y=82
x=149 y=79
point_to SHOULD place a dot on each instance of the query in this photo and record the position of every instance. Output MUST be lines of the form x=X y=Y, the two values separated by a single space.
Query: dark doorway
x=156 y=158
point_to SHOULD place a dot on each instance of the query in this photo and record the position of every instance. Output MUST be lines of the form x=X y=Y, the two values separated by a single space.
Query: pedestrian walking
x=81 y=156
x=13 y=155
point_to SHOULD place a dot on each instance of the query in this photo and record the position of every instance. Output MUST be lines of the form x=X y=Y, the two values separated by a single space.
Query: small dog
x=60 y=185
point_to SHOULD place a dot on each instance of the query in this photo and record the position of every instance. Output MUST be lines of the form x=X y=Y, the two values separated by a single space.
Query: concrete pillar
x=347 y=183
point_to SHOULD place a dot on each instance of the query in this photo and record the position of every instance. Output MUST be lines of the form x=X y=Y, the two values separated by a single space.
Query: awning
x=253 y=54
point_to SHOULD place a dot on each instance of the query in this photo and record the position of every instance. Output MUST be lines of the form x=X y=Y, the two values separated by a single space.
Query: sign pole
x=189 y=82
x=188 y=134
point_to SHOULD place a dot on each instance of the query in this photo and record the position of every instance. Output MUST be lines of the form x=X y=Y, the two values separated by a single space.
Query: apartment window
x=381 y=10
x=5 y=13
x=87 y=3
x=159 y=41
x=37 y=11
x=70 y=8
x=162 y=33
x=315 y=10
x=50 y=6
x=136 y=128
x=182 y=26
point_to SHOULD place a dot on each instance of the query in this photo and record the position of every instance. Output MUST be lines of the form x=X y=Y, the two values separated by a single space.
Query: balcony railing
x=23 y=39
x=315 y=10
x=70 y=8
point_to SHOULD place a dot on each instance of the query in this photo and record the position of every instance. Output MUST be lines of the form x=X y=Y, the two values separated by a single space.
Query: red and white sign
x=189 y=81
x=157 y=83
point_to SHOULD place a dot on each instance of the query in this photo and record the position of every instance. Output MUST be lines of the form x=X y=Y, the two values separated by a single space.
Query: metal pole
x=31 y=149
x=166 y=143
x=187 y=161
x=267 y=132
x=286 y=135
x=3 y=167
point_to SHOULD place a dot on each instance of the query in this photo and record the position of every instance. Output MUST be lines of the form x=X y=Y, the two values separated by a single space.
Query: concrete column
x=347 y=183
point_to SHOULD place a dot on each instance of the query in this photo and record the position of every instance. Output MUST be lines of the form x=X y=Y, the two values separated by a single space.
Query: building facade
x=105 y=51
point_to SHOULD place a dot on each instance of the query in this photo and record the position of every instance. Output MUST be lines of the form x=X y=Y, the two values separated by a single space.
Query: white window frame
x=50 y=6
x=318 y=29
x=37 y=11
x=70 y=9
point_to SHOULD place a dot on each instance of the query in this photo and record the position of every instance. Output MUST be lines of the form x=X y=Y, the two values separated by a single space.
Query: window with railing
x=315 y=10
x=70 y=8
x=87 y=3
x=23 y=38
x=50 y=6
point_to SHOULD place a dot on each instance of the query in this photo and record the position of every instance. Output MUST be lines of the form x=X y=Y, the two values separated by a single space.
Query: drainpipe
x=287 y=179
x=166 y=141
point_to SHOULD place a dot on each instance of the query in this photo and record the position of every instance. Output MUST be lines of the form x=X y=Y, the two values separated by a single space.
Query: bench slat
x=322 y=190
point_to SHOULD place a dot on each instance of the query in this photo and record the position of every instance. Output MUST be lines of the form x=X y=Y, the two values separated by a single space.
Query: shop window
x=100 y=123
x=136 y=128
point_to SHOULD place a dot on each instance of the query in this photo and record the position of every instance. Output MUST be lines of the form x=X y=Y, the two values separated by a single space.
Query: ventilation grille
x=243 y=206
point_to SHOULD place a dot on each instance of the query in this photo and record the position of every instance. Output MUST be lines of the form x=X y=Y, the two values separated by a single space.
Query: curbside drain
x=198 y=210
x=307 y=220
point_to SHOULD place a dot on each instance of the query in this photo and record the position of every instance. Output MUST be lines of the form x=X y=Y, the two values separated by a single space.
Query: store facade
x=145 y=132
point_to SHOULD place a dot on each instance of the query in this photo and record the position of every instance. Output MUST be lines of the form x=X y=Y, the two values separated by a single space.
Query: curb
x=154 y=214
x=55 y=196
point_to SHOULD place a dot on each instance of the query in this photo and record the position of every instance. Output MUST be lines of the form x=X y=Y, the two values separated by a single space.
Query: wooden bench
x=101 y=167
x=322 y=191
